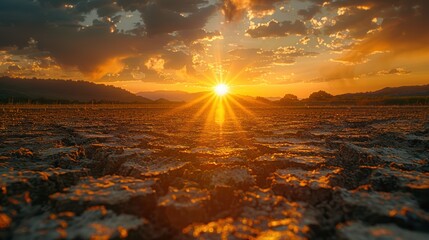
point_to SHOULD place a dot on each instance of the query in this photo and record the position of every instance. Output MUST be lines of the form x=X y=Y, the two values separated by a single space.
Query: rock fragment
x=263 y=215
x=122 y=194
x=360 y=231
x=94 y=223
x=302 y=185
x=182 y=207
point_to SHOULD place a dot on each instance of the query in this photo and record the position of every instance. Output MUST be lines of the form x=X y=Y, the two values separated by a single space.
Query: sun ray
x=219 y=108
x=190 y=104
x=204 y=108
x=198 y=114
x=239 y=105
x=235 y=121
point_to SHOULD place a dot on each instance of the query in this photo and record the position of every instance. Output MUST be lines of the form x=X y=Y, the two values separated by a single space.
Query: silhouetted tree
x=320 y=96
x=289 y=99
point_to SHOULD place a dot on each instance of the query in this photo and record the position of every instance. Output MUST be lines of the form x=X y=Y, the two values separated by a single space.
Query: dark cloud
x=98 y=49
x=189 y=36
x=394 y=26
x=177 y=60
x=50 y=34
x=310 y=12
x=13 y=68
x=277 y=29
x=160 y=20
x=358 y=22
x=185 y=6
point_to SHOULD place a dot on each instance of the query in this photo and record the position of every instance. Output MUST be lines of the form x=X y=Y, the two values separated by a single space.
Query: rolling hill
x=404 y=91
x=49 y=90
x=405 y=95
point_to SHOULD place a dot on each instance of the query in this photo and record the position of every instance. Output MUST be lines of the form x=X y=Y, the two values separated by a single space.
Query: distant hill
x=65 y=91
x=406 y=95
x=404 y=91
x=177 y=96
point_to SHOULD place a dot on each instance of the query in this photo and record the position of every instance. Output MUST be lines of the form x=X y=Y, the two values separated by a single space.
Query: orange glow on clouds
x=111 y=66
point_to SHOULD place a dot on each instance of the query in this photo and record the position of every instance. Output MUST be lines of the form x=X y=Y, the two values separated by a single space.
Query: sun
x=221 y=89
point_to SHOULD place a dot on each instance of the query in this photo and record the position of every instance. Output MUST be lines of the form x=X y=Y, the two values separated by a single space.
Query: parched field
x=136 y=172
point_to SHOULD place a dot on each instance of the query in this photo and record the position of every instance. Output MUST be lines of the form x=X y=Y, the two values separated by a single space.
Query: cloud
x=304 y=40
x=178 y=60
x=246 y=53
x=267 y=55
x=195 y=35
x=160 y=66
x=235 y=9
x=256 y=65
x=277 y=29
x=394 y=71
x=14 y=68
x=357 y=21
x=85 y=37
x=397 y=27
x=292 y=51
x=310 y=12
x=187 y=6
x=98 y=49
x=160 y=20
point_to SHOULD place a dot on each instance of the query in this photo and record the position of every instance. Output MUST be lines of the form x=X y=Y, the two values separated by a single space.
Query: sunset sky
x=259 y=47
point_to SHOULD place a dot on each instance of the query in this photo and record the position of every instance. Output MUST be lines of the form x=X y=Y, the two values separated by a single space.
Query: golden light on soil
x=221 y=89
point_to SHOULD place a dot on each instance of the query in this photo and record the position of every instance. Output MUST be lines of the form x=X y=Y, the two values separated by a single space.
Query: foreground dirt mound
x=148 y=173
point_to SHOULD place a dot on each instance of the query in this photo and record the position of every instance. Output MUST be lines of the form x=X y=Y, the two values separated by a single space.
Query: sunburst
x=219 y=109
x=221 y=89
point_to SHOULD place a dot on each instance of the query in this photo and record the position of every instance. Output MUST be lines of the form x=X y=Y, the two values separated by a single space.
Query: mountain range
x=405 y=95
x=403 y=91
x=68 y=91
x=64 y=91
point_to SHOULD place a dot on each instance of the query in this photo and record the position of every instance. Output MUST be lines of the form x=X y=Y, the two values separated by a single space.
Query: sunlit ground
x=222 y=166
x=215 y=169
